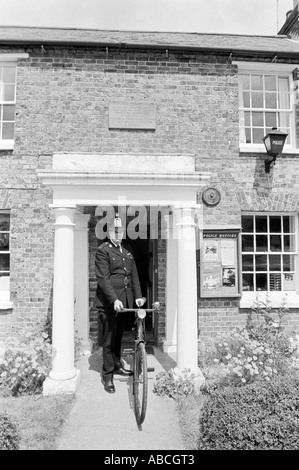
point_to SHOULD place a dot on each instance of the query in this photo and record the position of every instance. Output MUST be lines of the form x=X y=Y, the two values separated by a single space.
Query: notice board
x=219 y=263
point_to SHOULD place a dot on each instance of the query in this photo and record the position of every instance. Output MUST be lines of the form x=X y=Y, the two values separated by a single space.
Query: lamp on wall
x=274 y=142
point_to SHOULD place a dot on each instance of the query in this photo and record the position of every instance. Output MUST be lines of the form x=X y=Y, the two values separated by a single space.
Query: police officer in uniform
x=117 y=287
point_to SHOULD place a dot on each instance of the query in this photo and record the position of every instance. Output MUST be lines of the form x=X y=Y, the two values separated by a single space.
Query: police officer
x=117 y=287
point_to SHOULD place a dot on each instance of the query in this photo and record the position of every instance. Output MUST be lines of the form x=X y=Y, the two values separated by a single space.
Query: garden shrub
x=9 y=435
x=258 y=416
x=173 y=384
x=259 y=351
x=25 y=362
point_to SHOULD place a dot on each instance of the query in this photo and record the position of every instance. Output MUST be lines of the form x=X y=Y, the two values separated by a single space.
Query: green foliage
x=260 y=351
x=9 y=435
x=259 y=416
x=174 y=383
x=26 y=362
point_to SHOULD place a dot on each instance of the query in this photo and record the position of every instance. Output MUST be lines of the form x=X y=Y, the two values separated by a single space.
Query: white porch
x=80 y=180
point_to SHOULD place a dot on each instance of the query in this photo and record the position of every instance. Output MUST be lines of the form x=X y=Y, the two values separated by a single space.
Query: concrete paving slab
x=103 y=421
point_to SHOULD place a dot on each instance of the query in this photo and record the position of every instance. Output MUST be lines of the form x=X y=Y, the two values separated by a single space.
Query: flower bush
x=26 y=361
x=260 y=351
x=174 y=385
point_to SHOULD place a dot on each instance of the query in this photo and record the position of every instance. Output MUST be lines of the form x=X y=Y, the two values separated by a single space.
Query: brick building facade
x=213 y=97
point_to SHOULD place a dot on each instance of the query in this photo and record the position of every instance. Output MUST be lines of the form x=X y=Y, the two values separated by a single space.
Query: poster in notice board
x=219 y=264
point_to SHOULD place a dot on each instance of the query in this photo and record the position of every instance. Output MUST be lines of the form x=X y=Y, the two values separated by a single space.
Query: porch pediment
x=136 y=178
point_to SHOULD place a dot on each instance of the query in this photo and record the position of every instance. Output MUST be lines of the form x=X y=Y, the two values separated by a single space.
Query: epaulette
x=103 y=245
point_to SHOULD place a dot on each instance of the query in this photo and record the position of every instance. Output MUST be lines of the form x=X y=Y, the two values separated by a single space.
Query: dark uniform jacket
x=117 y=276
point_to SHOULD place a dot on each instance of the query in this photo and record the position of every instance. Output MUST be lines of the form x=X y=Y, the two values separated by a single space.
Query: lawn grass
x=39 y=419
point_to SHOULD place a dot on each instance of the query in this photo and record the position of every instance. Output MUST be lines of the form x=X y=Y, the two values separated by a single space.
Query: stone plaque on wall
x=132 y=115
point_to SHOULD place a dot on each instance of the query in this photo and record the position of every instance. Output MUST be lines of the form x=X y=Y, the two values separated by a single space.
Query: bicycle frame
x=140 y=369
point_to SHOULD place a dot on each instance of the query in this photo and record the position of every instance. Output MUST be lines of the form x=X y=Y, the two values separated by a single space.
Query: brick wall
x=63 y=97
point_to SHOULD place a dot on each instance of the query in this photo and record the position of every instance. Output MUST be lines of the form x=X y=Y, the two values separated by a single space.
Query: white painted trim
x=7 y=144
x=13 y=57
x=256 y=148
x=261 y=66
x=6 y=305
x=275 y=298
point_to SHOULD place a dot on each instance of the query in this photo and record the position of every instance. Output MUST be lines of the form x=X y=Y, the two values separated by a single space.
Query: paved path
x=100 y=421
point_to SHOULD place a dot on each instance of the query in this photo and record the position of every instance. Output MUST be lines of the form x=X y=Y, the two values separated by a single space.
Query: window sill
x=6 y=305
x=275 y=299
x=7 y=144
x=255 y=148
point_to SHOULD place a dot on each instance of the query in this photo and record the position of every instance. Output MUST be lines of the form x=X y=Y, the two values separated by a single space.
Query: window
x=7 y=101
x=269 y=250
x=4 y=254
x=266 y=100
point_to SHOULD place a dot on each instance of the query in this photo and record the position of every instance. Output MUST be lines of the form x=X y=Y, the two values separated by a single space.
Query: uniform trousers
x=112 y=332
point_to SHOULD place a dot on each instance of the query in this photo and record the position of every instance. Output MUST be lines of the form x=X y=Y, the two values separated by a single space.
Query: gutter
x=168 y=47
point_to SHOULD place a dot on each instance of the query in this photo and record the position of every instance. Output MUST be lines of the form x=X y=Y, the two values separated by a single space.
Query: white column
x=187 y=328
x=170 y=343
x=63 y=377
x=81 y=274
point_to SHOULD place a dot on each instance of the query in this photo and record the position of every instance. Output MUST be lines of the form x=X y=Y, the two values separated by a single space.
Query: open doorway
x=145 y=255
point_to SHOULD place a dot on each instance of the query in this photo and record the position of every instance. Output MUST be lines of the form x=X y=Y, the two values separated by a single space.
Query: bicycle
x=140 y=369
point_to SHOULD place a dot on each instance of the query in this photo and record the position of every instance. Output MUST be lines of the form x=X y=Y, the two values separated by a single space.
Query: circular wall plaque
x=211 y=196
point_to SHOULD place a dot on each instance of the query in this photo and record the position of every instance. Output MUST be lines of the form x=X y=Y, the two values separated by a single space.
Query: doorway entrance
x=145 y=255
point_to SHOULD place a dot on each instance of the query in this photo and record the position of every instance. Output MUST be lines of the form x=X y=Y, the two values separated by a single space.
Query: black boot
x=109 y=385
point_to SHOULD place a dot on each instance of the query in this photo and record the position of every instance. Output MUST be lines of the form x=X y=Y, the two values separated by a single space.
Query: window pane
x=284 y=100
x=289 y=242
x=270 y=83
x=261 y=262
x=4 y=262
x=288 y=281
x=271 y=119
x=4 y=222
x=4 y=282
x=275 y=281
x=283 y=121
x=8 y=93
x=246 y=99
x=261 y=243
x=274 y=262
x=247 y=118
x=244 y=80
x=8 y=113
x=261 y=223
x=288 y=224
x=9 y=74
x=247 y=243
x=275 y=243
x=257 y=119
x=248 y=136
x=288 y=263
x=257 y=135
x=275 y=223
x=247 y=281
x=247 y=262
x=256 y=82
x=261 y=281
x=257 y=100
x=270 y=100
x=247 y=223
x=8 y=130
x=4 y=242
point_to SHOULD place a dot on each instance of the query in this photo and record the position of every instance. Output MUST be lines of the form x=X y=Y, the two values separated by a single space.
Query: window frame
x=274 y=296
x=8 y=59
x=5 y=294
x=270 y=69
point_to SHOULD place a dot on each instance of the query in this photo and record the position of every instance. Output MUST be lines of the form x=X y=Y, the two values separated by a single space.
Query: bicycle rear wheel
x=140 y=383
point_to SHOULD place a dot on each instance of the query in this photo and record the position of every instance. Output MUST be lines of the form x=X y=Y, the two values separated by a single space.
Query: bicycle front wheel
x=140 y=383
